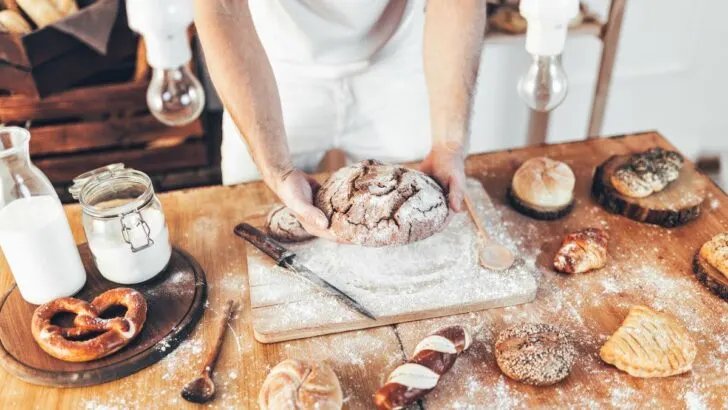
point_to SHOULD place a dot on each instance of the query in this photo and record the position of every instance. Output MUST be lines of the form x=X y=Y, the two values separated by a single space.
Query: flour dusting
x=434 y=273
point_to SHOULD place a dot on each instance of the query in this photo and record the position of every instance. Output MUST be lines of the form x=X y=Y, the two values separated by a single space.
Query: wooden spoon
x=491 y=254
x=202 y=389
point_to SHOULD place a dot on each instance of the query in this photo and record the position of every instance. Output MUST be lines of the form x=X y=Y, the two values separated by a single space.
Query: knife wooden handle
x=265 y=243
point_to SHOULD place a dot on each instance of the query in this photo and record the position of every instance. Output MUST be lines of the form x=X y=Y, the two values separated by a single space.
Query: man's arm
x=244 y=80
x=454 y=35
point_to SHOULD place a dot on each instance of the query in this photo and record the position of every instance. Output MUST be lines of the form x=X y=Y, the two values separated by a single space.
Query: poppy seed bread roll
x=543 y=188
x=375 y=204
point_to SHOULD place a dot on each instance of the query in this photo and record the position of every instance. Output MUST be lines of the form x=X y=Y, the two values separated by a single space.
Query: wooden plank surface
x=85 y=101
x=438 y=276
x=152 y=160
x=648 y=265
x=110 y=133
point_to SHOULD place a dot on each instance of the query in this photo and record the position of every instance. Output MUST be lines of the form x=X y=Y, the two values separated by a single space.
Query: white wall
x=671 y=74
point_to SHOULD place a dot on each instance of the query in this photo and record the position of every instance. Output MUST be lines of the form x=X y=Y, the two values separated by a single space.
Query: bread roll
x=283 y=225
x=538 y=354
x=715 y=252
x=13 y=22
x=647 y=172
x=543 y=188
x=374 y=204
x=300 y=385
x=42 y=12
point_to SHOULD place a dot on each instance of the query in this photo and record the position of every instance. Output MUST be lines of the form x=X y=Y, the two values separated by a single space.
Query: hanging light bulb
x=544 y=84
x=174 y=96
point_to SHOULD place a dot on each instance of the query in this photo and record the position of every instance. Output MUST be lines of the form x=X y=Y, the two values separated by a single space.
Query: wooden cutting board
x=438 y=276
x=175 y=300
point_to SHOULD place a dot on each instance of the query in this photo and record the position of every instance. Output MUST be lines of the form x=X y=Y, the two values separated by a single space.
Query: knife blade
x=287 y=259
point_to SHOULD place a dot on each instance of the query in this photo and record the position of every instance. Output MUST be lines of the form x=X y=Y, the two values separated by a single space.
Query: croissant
x=582 y=251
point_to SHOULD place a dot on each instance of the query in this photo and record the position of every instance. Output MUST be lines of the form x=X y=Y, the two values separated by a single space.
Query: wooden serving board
x=677 y=204
x=434 y=277
x=175 y=300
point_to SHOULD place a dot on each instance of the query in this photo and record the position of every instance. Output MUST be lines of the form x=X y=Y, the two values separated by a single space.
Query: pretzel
x=114 y=333
x=433 y=357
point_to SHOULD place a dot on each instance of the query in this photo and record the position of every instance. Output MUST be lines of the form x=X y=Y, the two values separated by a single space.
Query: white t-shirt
x=330 y=37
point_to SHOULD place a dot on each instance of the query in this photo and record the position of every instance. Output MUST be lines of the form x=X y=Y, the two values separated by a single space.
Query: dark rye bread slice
x=375 y=204
x=709 y=276
x=536 y=212
x=675 y=205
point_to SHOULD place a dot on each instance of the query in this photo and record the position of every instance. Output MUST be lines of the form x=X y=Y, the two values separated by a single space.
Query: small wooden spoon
x=491 y=254
x=202 y=389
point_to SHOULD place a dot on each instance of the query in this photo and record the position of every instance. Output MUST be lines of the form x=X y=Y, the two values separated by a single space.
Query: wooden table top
x=649 y=265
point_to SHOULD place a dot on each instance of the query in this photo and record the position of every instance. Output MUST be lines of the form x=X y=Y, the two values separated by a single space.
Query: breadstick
x=432 y=358
x=66 y=7
x=13 y=22
x=41 y=12
x=11 y=5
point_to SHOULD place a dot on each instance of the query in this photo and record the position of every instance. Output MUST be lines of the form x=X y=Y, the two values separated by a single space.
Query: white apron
x=349 y=75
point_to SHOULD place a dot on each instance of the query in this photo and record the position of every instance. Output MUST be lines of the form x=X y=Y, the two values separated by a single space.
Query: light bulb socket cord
x=167 y=51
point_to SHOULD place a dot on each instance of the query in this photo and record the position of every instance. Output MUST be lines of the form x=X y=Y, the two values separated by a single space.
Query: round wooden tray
x=678 y=204
x=175 y=300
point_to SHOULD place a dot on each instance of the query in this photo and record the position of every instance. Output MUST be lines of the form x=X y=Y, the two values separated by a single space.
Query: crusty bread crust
x=374 y=204
x=297 y=384
x=283 y=225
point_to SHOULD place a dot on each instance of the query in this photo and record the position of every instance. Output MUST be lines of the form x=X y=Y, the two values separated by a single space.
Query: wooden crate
x=78 y=130
x=48 y=60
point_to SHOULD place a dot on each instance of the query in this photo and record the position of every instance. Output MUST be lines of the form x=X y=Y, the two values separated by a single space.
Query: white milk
x=39 y=247
x=114 y=257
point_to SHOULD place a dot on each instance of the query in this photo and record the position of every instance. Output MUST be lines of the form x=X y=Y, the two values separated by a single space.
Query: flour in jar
x=114 y=256
x=39 y=247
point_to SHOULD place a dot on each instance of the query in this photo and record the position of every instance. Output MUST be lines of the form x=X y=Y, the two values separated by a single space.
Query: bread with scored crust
x=374 y=204
x=543 y=188
x=301 y=385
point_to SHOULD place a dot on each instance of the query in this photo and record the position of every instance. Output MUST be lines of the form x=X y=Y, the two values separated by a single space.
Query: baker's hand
x=446 y=164
x=296 y=190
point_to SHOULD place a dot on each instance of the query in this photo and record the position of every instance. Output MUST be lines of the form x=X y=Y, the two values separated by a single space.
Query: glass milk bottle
x=34 y=232
x=124 y=224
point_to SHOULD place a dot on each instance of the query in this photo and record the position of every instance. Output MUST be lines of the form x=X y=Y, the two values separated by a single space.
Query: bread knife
x=288 y=260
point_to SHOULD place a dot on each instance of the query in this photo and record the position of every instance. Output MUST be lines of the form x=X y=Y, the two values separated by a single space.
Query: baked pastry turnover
x=650 y=344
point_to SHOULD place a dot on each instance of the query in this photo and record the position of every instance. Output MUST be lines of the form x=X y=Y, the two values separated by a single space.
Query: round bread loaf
x=283 y=225
x=543 y=188
x=300 y=385
x=373 y=204
x=539 y=354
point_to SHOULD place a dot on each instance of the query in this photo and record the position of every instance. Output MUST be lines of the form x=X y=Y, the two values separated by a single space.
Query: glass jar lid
x=81 y=180
x=112 y=190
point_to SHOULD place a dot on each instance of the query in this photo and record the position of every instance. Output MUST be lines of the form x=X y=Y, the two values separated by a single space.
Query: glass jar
x=124 y=223
x=34 y=232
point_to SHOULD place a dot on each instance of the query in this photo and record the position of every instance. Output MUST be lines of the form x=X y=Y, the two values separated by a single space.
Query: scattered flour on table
x=434 y=273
